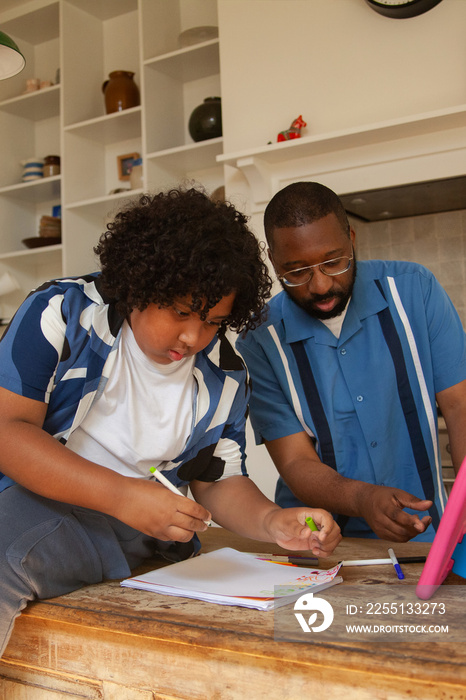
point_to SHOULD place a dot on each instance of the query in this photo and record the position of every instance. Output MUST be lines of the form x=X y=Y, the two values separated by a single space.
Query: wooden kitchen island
x=115 y=643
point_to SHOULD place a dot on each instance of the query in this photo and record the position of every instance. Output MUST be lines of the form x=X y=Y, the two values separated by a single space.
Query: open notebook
x=229 y=577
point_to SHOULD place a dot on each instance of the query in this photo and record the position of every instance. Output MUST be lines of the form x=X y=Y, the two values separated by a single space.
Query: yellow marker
x=311 y=524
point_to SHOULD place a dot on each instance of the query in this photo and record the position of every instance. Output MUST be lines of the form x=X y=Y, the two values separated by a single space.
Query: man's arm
x=316 y=484
x=452 y=403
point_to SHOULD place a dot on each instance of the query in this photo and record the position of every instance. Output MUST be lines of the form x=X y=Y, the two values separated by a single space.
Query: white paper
x=229 y=577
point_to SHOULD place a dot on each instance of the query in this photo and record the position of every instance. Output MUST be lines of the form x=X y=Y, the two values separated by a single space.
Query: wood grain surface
x=105 y=641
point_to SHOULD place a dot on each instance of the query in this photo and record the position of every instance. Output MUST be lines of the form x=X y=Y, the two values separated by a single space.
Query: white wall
x=337 y=62
x=340 y=65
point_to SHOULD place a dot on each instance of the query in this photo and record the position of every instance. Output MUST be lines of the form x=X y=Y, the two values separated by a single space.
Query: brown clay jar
x=120 y=91
x=51 y=166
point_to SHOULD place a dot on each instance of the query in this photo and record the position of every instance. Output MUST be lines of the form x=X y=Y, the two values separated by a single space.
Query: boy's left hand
x=287 y=527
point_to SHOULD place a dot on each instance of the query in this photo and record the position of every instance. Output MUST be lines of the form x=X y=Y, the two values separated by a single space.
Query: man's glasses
x=332 y=268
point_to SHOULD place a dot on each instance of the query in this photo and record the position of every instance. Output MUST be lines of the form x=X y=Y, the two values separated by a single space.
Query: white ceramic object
x=196 y=35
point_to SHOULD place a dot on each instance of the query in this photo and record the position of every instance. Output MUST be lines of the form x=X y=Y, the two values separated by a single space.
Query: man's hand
x=383 y=509
x=287 y=527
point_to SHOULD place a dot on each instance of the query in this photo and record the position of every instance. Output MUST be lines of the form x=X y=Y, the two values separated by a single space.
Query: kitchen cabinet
x=76 y=44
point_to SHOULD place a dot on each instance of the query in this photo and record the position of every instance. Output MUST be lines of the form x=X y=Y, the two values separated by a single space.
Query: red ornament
x=294 y=132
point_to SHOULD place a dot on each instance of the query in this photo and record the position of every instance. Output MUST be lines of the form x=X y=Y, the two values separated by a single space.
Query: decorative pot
x=33 y=169
x=51 y=166
x=205 y=121
x=120 y=91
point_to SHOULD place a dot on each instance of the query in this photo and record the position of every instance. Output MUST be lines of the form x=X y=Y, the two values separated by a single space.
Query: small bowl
x=196 y=35
x=40 y=241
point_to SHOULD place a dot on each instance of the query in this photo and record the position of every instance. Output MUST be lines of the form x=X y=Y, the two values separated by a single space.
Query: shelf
x=69 y=119
x=196 y=156
x=31 y=253
x=429 y=133
x=35 y=27
x=189 y=63
x=105 y=9
x=98 y=203
x=38 y=105
x=416 y=125
x=36 y=191
x=165 y=21
x=110 y=128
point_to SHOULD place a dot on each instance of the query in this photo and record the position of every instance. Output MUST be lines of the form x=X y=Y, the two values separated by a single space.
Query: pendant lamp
x=12 y=60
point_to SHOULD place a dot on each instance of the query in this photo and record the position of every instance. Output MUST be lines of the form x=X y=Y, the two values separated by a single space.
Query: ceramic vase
x=205 y=121
x=120 y=91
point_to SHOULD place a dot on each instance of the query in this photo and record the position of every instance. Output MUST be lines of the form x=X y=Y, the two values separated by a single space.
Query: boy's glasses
x=332 y=268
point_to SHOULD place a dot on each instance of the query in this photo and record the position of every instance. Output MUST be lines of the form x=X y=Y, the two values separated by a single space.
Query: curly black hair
x=178 y=243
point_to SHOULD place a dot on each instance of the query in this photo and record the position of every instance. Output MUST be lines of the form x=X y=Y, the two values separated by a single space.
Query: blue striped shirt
x=367 y=399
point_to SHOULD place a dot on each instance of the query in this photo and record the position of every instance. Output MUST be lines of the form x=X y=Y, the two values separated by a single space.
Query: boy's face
x=168 y=334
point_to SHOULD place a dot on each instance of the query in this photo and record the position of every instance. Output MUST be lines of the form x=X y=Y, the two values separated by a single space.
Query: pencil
x=171 y=487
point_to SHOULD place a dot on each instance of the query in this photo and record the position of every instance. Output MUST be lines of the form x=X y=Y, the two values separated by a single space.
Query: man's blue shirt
x=368 y=397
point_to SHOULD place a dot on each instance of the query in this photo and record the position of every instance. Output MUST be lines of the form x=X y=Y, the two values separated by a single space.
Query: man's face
x=322 y=296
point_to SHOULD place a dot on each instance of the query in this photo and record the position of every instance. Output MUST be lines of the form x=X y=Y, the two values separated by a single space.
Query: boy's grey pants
x=49 y=548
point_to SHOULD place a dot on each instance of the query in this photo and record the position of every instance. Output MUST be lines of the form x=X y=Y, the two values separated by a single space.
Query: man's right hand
x=383 y=509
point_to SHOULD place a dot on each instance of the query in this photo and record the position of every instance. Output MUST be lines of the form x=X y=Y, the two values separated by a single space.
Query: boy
x=108 y=375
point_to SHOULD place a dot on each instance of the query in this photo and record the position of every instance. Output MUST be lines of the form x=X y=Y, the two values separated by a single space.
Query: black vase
x=205 y=121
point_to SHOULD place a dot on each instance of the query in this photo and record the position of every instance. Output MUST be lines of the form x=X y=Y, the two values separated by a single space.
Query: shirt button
x=343 y=351
x=359 y=398
x=373 y=443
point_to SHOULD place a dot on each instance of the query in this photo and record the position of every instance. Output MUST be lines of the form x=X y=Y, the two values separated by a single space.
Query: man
x=346 y=372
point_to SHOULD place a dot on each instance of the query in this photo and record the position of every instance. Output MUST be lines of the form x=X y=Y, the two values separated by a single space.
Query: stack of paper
x=229 y=577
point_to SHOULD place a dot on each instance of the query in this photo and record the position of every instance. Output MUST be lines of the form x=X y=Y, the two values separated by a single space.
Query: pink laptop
x=448 y=551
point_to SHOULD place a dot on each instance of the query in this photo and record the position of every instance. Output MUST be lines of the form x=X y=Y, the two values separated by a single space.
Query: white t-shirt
x=334 y=324
x=144 y=415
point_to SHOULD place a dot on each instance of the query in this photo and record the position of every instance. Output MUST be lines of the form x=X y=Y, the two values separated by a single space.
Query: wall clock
x=401 y=9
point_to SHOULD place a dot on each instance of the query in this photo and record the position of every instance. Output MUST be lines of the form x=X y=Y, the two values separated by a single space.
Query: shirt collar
x=365 y=301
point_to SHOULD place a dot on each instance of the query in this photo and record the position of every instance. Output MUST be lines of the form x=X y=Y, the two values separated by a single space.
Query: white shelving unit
x=86 y=40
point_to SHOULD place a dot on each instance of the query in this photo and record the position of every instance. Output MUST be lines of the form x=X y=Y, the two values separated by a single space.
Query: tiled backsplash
x=437 y=241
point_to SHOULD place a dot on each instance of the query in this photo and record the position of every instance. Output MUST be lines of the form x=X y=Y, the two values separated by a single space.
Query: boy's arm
x=314 y=482
x=238 y=505
x=37 y=461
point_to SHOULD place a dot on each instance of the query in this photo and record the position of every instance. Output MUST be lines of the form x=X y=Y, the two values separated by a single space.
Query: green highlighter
x=311 y=524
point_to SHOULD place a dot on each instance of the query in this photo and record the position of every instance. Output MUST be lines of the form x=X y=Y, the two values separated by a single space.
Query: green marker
x=311 y=524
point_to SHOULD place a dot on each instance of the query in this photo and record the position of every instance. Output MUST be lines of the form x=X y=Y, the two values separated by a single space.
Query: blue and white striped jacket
x=60 y=349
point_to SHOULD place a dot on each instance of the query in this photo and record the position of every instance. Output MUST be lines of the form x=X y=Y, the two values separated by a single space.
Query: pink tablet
x=448 y=551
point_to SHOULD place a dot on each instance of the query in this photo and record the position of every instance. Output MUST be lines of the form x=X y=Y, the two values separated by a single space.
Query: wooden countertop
x=108 y=639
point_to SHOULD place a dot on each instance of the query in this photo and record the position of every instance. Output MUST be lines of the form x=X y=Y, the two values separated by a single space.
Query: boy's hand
x=151 y=508
x=288 y=529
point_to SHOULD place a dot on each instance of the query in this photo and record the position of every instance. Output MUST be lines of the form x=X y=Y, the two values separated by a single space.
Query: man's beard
x=343 y=297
